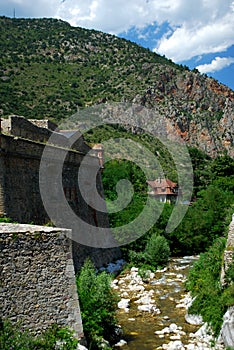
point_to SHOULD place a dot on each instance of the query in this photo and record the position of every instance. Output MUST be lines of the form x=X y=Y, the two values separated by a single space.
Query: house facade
x=165 y=190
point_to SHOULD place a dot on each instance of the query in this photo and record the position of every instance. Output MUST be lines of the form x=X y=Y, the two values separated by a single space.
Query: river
x=152 y=310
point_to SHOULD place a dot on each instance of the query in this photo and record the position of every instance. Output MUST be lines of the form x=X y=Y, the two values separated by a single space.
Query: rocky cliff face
x=200 y=109
x=227 y=331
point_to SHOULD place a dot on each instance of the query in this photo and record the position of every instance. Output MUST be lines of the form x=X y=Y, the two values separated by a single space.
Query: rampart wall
x=38 y=262
x=20 y=195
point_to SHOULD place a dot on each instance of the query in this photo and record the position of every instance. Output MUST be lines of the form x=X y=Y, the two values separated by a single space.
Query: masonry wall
x=20 y=163
x=37 y=277
x=20 y=180
x=19 y=126
x=20 y=197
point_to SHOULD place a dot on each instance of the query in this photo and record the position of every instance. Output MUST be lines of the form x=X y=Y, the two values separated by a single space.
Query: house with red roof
x=165 y=190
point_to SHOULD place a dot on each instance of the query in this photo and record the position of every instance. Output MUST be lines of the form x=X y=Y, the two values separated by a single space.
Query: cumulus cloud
x=217 y=64
x=190 y=41
x=208 y=28
x=114 y=16
x=196 y=26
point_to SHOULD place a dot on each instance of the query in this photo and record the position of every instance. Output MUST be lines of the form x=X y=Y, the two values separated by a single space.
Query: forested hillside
x=49 y=69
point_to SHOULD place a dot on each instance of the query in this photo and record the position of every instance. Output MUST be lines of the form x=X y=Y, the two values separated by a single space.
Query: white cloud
x=208 y=28
x=217 y=64
x=114 y=16
x=187 y=42
x=197 y=26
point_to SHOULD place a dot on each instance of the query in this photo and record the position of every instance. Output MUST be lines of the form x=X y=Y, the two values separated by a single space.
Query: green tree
x=222 y=166
x=157 y=251
x=98 y=303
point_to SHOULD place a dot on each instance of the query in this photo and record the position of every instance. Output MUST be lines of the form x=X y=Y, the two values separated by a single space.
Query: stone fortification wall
x=21 y=200
x=20 y=163
x=21 y=127
x=37 y=277
x=40 y=131
x=20 y=195
x=38 y=263
x=44 y=123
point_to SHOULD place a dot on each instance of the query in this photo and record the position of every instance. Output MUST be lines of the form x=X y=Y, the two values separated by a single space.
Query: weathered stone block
x=45 y=292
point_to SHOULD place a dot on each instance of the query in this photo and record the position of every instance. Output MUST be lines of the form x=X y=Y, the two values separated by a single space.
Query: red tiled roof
x=162 y=183
x=162 y=187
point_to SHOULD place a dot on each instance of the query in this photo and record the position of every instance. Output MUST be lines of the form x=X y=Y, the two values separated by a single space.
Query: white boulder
x=123 y=303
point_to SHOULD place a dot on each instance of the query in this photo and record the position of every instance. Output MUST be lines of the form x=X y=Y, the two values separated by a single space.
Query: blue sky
x=195 y=33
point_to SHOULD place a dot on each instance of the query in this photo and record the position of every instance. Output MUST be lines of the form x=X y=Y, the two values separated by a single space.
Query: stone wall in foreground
x=38 y=278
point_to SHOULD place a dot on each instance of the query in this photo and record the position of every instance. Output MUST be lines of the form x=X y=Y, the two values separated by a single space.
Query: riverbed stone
x=174 y=345
x=165 y=330
x=81 y=347
x=123 y=303
x=175 y=337
x=194 y=319
x=134 y=269
x=122 y=281
x=149 y=308
x=137 y=288
x=190 y=346
x=121 y=343
x=145 y=299
x=115 y=281
x=173 y=327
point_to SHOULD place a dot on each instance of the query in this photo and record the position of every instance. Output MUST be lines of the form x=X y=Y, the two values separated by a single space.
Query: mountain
x=49 y=69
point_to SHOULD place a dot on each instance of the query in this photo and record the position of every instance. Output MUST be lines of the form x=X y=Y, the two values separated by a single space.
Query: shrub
x=144 y=271
x=211 y=299
x=157 y=251
x=55 y=337
x=98 y=303
x=6 y=220
x=136 y=258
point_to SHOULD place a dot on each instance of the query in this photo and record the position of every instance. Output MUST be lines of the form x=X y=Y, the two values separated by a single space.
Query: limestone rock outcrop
x=227 y=330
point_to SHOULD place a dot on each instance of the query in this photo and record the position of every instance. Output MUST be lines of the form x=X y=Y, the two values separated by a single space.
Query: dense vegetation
x=14 y=338
x=208 y=214
x=49 y=69
x=98 y=304
x=211 y=298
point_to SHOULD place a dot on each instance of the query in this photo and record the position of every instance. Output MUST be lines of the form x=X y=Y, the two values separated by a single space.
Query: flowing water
x=168 y=290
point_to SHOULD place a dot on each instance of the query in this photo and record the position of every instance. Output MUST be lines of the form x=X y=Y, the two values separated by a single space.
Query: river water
x=164 y=295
